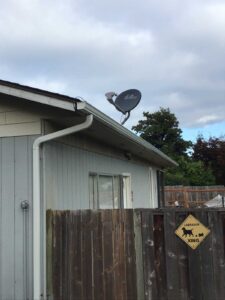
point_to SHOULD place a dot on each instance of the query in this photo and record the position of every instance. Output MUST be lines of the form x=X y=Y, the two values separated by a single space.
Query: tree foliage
x=212 y=153
x=161 y=129
x=189 y=172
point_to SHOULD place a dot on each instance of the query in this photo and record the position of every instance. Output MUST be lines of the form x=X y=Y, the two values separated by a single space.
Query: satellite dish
x=125 y=102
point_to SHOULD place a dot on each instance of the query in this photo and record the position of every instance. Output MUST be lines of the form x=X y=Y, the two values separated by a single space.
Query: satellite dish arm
x=126 y=118
x=111 y=101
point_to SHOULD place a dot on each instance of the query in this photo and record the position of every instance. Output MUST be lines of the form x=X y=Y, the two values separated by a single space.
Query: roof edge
x=69 y=103
x=47 y=98
x=129 y=134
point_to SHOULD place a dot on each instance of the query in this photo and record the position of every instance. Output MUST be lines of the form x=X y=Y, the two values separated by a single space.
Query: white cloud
x=173 y=51
x=208 y=119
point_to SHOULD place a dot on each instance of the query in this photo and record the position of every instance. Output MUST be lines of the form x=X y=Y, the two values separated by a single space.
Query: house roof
x=120 y=136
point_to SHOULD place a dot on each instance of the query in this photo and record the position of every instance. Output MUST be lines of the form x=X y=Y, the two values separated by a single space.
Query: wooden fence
x=191 y=196
x=133 y=254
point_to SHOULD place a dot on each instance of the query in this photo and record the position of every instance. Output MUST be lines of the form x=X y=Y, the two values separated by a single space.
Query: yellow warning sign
x=192 y=232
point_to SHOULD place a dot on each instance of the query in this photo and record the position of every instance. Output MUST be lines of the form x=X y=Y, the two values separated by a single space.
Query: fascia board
x=67 y=105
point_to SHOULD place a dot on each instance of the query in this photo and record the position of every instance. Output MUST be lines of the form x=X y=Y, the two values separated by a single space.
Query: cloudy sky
x=173 y=51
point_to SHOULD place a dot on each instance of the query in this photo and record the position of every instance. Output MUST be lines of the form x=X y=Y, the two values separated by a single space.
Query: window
x=109 y=191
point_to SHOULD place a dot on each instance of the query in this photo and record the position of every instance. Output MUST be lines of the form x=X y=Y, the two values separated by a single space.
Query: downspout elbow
x=67 y=131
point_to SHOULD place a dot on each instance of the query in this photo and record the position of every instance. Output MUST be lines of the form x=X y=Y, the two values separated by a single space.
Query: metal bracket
x=24 y=205
x=78 y=104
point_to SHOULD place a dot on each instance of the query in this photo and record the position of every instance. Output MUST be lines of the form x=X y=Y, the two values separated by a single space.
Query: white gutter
x=38 y=98
x=109 y=122
x=39 y=278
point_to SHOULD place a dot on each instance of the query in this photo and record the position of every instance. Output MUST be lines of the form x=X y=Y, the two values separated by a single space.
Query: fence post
x=139 y=251
x=186 y=202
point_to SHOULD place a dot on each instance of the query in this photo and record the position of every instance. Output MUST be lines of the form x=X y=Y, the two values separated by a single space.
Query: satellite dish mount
x=124 y=102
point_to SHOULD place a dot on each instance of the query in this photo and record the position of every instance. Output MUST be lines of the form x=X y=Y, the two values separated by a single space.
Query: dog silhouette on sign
x=187 y=232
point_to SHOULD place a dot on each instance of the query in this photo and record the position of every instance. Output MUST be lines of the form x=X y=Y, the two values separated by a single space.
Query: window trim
x=128 y=202
x=94 y=204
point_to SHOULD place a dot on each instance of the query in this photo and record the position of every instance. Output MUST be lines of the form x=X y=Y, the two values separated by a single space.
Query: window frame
x=94 y=203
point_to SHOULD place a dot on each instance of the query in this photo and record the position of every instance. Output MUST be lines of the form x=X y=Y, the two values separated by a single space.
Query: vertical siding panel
x=73 y=179
x=80 y=179
x=50 y=167
x=73 y=176
x=70 y=183
x=64 y=177
x=15 y=186
x=59 y=176
x=75 y=160
x=56 y=170
x=21 y=181
x=1 y=240
x=30 y=215
x=86 y=179
x=7 y=270
x=78 y=164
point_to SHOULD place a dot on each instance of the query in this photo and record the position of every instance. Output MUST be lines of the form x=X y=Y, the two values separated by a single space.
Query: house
x=59 y=152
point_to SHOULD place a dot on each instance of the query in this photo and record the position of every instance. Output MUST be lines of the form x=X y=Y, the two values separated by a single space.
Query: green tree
x=189 y=172
x=161 y=129
x=211 y=153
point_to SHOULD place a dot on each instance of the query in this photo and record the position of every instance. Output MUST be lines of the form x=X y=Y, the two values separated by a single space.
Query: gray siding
x=15 y=224
x=17 y=119
x=67 y=168
x=65 y=186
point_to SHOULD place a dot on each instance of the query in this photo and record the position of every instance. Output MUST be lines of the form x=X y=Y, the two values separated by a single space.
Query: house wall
x=15 y=223
x=67 y=165
x=18 y=120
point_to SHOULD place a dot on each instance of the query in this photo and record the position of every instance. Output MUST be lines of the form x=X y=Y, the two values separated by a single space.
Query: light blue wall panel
x=15 y=224
x=67 y=171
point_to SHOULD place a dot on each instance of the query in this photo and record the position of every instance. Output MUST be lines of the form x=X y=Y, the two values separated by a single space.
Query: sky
x=173 y=51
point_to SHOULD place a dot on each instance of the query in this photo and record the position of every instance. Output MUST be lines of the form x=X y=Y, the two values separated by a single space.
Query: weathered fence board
x=195 y=270
x=182 y=258
x=150 y=284
x=171 y=257
x=133 y=254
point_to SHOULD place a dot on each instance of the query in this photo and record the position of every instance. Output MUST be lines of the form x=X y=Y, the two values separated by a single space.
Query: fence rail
x=133 y=254
x=191 y=196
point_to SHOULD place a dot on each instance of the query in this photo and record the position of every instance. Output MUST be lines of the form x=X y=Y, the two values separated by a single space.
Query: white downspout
x=37 y=276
